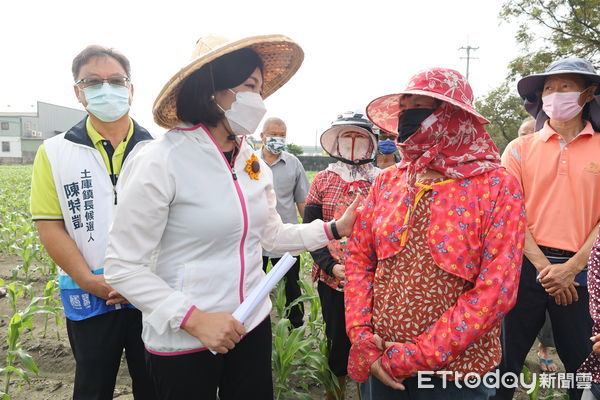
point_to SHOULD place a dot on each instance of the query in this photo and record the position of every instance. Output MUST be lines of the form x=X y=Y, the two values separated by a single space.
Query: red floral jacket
x=477 y=232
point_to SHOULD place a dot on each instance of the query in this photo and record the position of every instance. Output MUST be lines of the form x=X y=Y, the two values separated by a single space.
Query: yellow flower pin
x=253 y=167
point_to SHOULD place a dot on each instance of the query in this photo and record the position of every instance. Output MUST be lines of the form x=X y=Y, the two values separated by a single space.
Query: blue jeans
x=373 y=389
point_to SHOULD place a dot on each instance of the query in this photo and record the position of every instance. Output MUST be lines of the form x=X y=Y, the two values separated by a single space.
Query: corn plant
x=300 y=353
x=27 y=250
x=535 y=394
x=317 y=362
x=5 y=238
x=14 y=291
x=18 y=362
x=51 y=300
x=16 y=226
x=48 y=268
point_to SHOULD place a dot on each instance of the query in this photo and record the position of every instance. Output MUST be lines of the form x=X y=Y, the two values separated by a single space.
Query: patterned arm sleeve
x=482 y=307
x=322 y=256
x=360 y=273
x=592 y=362
x=594 y=284
x=314 y=210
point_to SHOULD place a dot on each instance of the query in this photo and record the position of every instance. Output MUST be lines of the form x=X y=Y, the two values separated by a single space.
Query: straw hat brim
x=281 y=58
x=384 y=110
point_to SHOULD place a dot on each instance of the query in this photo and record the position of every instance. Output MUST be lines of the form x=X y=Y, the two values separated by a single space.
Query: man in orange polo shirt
x=559 y=169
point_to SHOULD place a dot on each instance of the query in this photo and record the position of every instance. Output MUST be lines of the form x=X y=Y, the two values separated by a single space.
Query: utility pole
x=469 y=48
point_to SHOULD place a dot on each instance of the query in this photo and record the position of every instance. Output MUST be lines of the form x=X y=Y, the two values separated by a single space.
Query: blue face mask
x=107 y=102
x=275 y=144
x=387 y=146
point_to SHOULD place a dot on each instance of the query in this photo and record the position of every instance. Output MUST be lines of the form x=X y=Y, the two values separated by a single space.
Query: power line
x=469 y=48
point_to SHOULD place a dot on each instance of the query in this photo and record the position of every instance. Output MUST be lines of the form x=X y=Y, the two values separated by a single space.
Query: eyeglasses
x=116 y=81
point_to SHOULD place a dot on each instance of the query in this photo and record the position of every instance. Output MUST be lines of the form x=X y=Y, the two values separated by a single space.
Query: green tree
x=553 y=29
x=549 y=30
x=294 y=149
x=504 y=109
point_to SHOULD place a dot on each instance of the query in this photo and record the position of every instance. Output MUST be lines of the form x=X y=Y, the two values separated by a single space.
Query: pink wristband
x=327 y=231
x=187 y=315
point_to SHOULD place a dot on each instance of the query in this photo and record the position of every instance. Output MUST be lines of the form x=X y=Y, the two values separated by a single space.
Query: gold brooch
x=253 y=167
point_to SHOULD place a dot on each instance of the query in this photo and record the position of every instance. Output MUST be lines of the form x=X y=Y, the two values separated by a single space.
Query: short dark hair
x=195 y=101
x=98 y=51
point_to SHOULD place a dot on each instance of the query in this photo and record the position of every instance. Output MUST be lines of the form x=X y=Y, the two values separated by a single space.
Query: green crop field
x=35 y=338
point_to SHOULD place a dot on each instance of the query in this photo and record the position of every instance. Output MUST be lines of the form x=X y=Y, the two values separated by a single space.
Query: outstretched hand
x=346 y=222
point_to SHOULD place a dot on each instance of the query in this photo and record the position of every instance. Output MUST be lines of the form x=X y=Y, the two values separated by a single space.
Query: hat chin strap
x=346 y=160
x=359 y=162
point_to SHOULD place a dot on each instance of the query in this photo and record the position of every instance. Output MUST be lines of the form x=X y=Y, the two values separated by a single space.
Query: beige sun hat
x=280 y=55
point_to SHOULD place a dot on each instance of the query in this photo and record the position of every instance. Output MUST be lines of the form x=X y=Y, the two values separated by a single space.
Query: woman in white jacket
x=185 y=245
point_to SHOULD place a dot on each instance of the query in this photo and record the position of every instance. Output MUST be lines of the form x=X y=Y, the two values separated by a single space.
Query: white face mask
x=245 y=113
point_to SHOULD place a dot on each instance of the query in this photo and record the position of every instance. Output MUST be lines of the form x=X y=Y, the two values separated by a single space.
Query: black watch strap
x=334 y=231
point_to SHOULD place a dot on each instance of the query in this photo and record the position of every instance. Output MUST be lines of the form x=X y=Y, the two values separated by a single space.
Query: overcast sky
x=354 y=50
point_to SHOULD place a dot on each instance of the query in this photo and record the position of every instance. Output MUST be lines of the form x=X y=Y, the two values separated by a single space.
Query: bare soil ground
x=53 y=356
x=52 y=353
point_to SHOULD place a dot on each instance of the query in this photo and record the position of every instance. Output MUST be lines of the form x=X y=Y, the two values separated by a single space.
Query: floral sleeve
x=592 y=362
x=360 y=273
x=594 y=284
x=479 y=309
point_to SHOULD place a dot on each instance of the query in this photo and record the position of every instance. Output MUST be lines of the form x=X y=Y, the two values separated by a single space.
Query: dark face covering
x=410 y=121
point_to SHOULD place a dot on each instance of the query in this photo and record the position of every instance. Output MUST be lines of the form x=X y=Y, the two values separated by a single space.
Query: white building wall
x=14 y=145
x=55 y=119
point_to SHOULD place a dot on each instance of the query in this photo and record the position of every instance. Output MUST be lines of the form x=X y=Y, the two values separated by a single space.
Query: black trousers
x=97 y=344
x=292 y=290
x=332 y=305
x=242 y=373
x=571 y=326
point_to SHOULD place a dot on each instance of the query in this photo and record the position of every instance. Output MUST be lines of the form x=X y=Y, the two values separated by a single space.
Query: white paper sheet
x=260 y=293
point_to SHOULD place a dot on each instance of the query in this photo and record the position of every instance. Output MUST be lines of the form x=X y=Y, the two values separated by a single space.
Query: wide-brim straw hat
x=440 y=83
x=280 y=55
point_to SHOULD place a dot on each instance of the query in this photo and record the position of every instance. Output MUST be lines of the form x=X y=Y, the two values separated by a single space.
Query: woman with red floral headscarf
x=436 y=251
x=350 y=141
